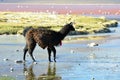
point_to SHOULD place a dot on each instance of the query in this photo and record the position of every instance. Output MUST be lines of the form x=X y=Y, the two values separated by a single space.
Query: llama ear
x=72 y=23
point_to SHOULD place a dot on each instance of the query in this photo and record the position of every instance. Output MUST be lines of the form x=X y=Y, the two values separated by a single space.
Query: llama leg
x=49 y=54
x=25 y=51
x=54 y=53
x=31 y=49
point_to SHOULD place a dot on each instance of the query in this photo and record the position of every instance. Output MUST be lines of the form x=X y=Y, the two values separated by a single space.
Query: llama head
x=67 y=28
x=71 y=26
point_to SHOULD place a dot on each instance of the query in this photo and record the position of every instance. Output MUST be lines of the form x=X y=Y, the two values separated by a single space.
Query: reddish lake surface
x=105 y=9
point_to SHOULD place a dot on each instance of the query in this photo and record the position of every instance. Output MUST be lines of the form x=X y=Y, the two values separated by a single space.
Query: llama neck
x=64 y=31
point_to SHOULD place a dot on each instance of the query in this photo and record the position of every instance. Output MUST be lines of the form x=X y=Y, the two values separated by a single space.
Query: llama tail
x=26 y=30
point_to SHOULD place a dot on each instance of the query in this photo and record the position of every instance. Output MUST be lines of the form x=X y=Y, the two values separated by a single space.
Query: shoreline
x=77 y=38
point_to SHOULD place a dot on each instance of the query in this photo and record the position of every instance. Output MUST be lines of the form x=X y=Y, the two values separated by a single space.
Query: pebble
x=6 y=59
x=17 y=50
x=34 y=62
x=11 y=69
x=18 y=61
x=93 y=79
x=72 y=51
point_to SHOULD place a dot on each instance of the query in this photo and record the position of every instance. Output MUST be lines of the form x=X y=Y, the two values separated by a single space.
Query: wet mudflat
x=75 y=60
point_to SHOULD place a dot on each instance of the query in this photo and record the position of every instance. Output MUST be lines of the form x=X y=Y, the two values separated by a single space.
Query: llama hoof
x=54 y=60
x=34 y=60
x=50 y=61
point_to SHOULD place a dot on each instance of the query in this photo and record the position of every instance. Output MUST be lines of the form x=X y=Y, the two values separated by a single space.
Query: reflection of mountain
x=50 y=75
x=62 y=1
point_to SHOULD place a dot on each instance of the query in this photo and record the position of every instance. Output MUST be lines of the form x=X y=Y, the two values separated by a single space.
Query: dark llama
x=45 y=39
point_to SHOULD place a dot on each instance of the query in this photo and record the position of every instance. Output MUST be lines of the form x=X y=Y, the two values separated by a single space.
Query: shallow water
x=75 y=60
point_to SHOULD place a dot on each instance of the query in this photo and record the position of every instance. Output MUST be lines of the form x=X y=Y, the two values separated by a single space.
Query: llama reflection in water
x=49 y=75
x=28 y=72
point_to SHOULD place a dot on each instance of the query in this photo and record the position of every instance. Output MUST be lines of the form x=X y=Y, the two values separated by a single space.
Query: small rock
x=34 y=62
x=93 y=79
x=11 y=69
x=17 y=50
x=72 y=51
x=6 y=59
x=18 y=61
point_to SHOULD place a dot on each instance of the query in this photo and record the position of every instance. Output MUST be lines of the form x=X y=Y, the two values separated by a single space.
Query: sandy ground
x=75 y=60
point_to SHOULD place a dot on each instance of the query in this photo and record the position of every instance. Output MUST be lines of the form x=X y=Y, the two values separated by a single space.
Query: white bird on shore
x=92 y=44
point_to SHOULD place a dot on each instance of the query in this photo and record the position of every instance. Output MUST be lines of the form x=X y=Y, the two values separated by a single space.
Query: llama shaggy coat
x=45 y=38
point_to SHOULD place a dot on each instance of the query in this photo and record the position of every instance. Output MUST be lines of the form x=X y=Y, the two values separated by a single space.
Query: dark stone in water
x=6 y=59
x=17 y=50
x=18 y=61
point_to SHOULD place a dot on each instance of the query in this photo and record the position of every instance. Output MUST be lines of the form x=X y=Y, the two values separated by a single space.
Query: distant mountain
x=63 y=1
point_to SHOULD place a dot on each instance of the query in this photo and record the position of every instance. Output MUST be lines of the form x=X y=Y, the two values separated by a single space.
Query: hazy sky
x=63 y=1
